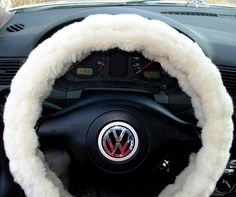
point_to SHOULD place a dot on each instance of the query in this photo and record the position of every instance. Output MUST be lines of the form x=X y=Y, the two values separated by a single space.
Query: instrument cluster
x=116 y=68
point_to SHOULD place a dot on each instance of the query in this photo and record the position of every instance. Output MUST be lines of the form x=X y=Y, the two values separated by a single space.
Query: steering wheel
x=117 y=135
x=120 y=138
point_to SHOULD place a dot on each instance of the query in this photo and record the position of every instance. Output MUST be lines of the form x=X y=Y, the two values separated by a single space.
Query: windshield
x=15 y=3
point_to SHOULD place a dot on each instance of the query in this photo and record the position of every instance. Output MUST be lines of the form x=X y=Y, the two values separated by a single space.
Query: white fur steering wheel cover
x=178 y=55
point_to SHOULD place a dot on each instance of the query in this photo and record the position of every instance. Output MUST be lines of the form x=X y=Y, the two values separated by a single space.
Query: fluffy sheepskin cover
x=178 y=55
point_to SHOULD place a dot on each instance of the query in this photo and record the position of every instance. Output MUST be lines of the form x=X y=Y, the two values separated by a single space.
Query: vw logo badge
x=118 y=141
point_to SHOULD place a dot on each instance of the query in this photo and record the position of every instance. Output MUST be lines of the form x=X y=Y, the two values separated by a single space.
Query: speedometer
x=90 y=66
x=146 y=69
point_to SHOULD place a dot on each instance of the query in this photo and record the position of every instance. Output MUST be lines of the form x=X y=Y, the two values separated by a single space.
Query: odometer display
x=151 y=74
x=90 y=66
x=84 y=71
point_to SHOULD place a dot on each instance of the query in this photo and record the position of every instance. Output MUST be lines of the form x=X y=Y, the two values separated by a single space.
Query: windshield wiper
x=86 y=3
x=189 y=3
x=197 y=3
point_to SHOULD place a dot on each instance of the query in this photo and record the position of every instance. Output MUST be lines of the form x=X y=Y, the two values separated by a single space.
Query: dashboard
x=212 y=28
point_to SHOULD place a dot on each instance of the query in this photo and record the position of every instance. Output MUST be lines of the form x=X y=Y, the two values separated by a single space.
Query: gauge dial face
x=146 y=69
x=90 y=66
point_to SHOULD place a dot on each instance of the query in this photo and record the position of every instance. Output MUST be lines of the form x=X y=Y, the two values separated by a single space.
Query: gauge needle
x=145 y=67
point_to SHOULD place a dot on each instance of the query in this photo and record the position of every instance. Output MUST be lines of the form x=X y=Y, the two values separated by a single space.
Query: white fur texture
x=178 y=55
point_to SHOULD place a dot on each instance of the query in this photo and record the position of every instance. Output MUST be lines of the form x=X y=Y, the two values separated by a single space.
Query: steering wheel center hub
x=118 y=141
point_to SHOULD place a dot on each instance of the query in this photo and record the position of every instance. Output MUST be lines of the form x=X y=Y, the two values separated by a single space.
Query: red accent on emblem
x=115 y=148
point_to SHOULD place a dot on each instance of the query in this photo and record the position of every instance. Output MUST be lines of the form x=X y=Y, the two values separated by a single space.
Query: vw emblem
x=118 y=141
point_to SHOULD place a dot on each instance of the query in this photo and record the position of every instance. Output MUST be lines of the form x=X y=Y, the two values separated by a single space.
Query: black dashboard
x=212 y=28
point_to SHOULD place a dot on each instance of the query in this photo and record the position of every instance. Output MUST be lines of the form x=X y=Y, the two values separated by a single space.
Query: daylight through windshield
x=15 y=3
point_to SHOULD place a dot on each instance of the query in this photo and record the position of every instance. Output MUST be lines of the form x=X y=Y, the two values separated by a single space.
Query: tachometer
x=90 y=66
x=146 y=69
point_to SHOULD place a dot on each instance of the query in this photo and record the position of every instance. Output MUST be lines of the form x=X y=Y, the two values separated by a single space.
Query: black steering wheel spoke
x=60 y=129
x=173 y=134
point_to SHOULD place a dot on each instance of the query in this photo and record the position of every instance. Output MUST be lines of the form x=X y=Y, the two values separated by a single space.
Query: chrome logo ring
x=118 y=141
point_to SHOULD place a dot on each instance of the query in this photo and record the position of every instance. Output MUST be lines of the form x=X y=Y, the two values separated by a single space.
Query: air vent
x=191 y=13
x=15 y=27
x=229 y=78
x=8 y=69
